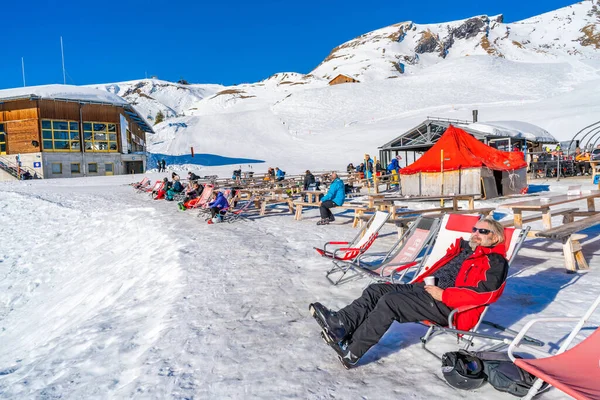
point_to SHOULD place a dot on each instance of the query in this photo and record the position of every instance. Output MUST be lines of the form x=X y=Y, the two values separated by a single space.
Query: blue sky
x=227 y=42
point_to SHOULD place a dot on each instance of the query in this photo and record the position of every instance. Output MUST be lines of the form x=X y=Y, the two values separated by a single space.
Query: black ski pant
x=369 y=317
x=325 y=209
x=216 y=210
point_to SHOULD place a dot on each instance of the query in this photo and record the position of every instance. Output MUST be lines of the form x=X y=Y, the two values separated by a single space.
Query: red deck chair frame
x=362 y=241
x=572 y=370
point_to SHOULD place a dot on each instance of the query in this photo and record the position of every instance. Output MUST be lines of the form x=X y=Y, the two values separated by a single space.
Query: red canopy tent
x=462 y=150
x=468 y=164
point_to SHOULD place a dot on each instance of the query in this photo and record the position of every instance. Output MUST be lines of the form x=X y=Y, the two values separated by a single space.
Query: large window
x=75 y=168
x=2 y=140
x=93 y=168
x=60 y=135
x=100 y=137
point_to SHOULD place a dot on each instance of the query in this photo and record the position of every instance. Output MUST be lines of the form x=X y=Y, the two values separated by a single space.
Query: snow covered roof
x=62 y=92
x=514 y=129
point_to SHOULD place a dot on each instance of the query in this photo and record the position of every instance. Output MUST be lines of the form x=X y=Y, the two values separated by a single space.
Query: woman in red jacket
x=471 y=273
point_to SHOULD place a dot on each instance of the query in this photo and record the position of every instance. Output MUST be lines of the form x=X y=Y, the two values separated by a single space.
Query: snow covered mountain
x=543 y=70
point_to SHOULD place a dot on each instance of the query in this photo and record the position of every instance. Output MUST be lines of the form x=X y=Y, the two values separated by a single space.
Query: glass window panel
x=61 y=145
x=75 y=146
x=102 y=145
x=88 y=146
x=74 y=135
x=112 y=127
x=113 y=146
x=2 y=148
x=46 y=124
x=108 y=167
x=99 y=136
x=75 y=168
x=99 y=127
x=1 y=137
x=56 y=168
x=48 y=145
x=87 y=126
x=62 y=125
x=1 y=127
x=87 y=136
x=61 y=135
x=112 y=138
x=92 y=168
x=47 y=135
x=74 y=126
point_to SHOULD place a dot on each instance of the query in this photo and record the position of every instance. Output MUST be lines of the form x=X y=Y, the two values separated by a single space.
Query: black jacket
x=308 y=179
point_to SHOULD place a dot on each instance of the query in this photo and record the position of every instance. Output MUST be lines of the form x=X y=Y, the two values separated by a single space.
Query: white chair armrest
x=517 y=340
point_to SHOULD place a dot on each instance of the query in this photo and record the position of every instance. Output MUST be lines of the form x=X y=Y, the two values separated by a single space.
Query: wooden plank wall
x=21 y=126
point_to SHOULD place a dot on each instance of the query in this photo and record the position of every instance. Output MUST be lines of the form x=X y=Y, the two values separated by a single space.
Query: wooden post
x=442 y=171
x=192 y=148
x=375 y=175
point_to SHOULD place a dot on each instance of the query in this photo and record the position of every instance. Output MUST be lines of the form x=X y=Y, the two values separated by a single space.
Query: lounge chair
x=459 y=225
x=573 y=371
x=414 y=245
x=238 y=214
x=344 y=251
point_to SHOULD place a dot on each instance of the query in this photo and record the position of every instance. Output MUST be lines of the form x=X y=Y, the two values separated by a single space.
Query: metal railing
x=14 y=169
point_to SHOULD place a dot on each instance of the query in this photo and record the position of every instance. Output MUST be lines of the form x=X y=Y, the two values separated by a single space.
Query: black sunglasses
x=483 y=231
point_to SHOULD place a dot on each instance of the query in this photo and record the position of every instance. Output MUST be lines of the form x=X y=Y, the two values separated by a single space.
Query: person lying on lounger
x=471 y=273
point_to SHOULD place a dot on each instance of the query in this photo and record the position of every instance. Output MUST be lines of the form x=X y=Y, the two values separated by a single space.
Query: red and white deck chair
x=575 y=370
x=141 y=185
x=456 y=226
x=409 y=251
x=344 y=251
x=204 y=209
x=150 y=189
x=201 y=200
x=238 y=214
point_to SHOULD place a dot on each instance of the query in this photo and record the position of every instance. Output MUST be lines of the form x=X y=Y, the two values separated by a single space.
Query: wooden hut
x=341 y=78
x=459 y=163
x=58 y=131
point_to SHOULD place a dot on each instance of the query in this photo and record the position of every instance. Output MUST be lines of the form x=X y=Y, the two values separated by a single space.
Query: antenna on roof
x=23 y=69
x=62 y=54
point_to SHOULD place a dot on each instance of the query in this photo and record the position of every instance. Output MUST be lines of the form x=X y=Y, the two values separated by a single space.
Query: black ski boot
x=333 y=328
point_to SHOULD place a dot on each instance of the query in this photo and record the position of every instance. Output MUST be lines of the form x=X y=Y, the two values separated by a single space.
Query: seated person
x=193 y=194
x=336 y=195
x=218 y=208
x=160 y=194
x=471 y=273
x=192 y=176
x=279 y=174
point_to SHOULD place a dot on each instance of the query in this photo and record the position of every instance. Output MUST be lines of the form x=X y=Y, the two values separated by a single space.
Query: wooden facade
x=22 y=120
x=342 y=79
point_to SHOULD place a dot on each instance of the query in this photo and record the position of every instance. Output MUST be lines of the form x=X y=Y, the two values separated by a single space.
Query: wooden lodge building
x=341 y=78
x=62 y=131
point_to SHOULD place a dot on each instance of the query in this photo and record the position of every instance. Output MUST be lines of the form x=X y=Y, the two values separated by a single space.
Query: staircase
x=11 y=168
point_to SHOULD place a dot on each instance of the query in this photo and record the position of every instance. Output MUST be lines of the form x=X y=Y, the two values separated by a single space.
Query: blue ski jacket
x=336 y=192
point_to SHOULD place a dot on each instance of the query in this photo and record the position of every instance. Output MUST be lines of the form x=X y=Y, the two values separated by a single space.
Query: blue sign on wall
x=37 y=164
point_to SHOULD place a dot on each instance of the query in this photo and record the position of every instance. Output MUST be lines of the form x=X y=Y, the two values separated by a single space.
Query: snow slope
x=108 y=294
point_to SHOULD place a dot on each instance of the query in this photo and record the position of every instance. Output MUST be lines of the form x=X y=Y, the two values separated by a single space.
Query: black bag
x=500 y=371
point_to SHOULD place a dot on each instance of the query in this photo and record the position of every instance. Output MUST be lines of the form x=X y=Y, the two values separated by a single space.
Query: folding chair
x=141 y=185
x=573 y=371
x=202 y=199
x=150 y=189
x=456 y=226
x=361 y=242
x=235 y=215
x=414 y=244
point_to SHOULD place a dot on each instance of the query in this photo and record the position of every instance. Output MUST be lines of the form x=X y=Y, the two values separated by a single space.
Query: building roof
x=461 y=150
x=427 y=133
x=71 y=93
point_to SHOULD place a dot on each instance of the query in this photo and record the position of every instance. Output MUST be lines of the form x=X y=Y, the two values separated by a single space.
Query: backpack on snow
x=500 y=371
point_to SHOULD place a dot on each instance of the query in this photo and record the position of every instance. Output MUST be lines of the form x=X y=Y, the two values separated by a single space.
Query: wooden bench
x=359 y=210
x=572 y=249
x=568 y=214
x=262 y=204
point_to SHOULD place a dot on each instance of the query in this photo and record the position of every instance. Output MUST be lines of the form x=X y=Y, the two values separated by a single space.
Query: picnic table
x=312 y=196
x=545 y=207
x=454 y=197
